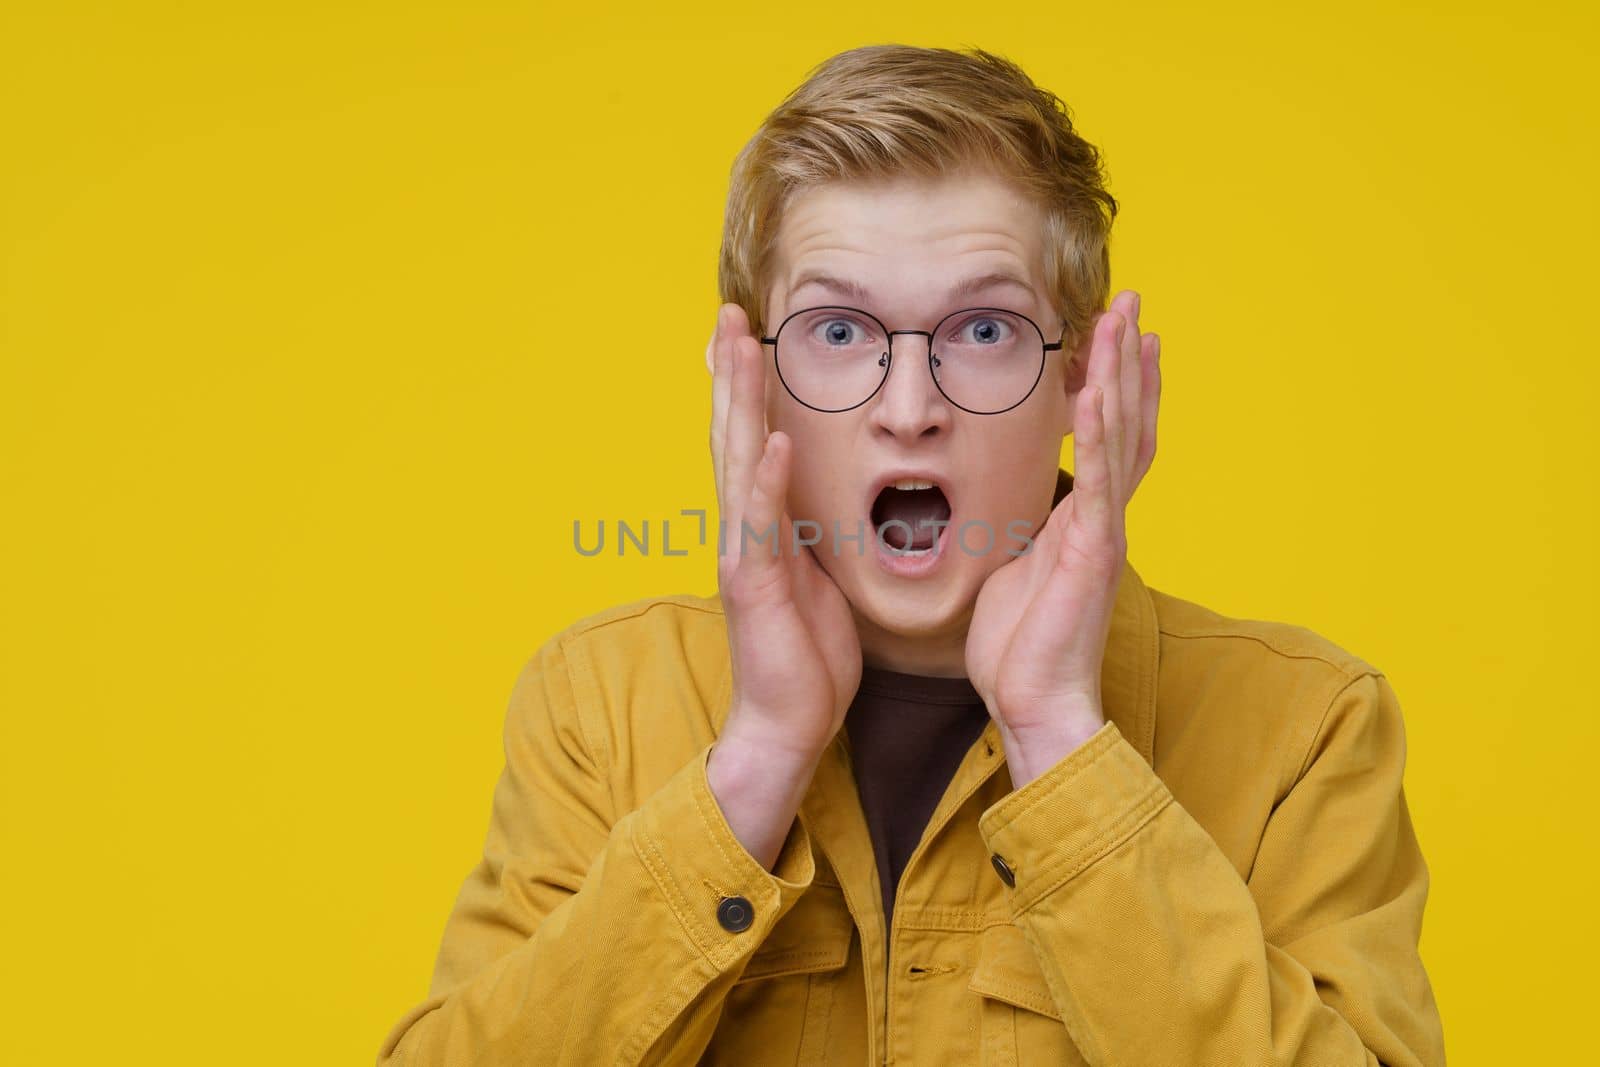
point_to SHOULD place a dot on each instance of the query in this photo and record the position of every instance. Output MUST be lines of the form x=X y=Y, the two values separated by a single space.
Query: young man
x=936 y=778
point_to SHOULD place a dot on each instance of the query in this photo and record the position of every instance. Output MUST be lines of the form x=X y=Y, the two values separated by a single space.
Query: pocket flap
x=1008 y=970
x=814 y=935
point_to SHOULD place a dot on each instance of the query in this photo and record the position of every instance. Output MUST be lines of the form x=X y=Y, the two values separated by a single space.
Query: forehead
x=908 y=240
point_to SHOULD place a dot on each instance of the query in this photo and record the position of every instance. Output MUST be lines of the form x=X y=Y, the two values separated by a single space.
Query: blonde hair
x=886 y=110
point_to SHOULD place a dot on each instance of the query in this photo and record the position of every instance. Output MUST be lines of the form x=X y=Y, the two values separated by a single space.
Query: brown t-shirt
x=908 y=734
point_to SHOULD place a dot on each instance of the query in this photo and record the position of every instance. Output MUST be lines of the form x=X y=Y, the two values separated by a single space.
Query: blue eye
x=986 y=330
x=840 y=332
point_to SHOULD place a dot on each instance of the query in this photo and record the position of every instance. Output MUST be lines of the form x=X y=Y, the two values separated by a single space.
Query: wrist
x=1035 y=746
x=783 y=768
x=759 y=790
x=782 y=749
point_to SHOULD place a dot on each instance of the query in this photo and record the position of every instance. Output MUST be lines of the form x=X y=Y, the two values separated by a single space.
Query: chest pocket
x=780 y=1008
x=1019 y=1022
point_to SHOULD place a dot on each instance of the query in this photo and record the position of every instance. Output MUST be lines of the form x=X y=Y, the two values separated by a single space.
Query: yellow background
x=321 y=324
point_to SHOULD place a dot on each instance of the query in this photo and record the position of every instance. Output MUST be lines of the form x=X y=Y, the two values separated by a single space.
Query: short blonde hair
x=885 y=110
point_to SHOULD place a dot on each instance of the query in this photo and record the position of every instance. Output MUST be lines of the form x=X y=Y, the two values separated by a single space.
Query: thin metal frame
x=886 y=360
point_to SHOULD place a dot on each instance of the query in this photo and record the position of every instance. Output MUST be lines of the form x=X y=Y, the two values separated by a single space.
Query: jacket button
x=735 y=914
x=1004 y=871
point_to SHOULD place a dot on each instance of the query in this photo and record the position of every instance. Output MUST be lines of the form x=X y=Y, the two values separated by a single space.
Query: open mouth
x=909 y=515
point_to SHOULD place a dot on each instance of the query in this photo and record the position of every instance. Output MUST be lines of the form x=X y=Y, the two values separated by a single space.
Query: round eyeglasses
x=984 y=360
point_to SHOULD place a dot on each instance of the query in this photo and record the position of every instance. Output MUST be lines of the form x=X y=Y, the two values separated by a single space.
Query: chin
x=913 y=608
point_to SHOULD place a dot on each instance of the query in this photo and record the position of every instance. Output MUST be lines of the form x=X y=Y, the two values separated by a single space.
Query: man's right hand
x=791 y=634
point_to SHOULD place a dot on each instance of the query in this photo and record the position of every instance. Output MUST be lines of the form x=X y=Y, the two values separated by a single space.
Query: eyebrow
x=846 y=287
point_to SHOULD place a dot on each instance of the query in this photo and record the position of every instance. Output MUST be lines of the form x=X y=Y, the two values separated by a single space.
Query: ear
x=1075 y=375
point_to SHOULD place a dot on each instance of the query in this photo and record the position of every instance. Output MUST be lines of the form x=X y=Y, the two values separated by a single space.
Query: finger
x=721 y=381
x=1048 y=536
x=1150 y=399
x=1128 y=411
x=739 y=323
x=1105 y=372
x=1094 y=516
x=1078 y=575
x=762 y=565
x=745 y=436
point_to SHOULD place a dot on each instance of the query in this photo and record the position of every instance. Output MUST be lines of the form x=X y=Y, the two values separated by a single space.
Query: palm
x=1037 y=638
x=808 y=653
x=796 y=656
x=997 y=644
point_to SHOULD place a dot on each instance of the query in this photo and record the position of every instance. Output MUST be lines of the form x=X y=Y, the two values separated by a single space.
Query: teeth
x=912 y=483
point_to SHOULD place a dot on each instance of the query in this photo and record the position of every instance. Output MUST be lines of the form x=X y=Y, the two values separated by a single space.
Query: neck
x=935 y=655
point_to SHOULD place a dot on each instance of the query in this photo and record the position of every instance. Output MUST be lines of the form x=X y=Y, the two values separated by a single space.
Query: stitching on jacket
x=571 y=651
x=1030 y=997
x=644 y=846
x=628 y=612
x=1345 y=666
x=1103 y=844
x=768 y=965
x=1096 y=750
x=713 y=831
x=1339 y=689
x=950 y=920
x=656 y=1023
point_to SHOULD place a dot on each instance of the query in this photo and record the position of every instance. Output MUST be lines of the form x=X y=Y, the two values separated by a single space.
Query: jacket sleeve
x=1156 y=950
x=581 y=938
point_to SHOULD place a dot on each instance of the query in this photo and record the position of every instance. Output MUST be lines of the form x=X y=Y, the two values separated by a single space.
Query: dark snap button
x=1004 y=871
x=735 y=914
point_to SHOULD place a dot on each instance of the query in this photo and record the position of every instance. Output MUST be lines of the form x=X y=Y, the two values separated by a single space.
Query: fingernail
x=1135 y=305
x=1157 y=345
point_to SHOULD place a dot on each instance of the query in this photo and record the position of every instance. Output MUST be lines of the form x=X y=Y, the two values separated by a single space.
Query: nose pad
x=910 y=405
x=924 y=352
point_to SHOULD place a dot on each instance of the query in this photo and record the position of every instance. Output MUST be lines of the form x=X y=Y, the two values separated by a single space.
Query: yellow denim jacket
x=1225 y=873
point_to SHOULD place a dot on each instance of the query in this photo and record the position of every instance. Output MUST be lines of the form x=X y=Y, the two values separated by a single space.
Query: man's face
x=908 y=243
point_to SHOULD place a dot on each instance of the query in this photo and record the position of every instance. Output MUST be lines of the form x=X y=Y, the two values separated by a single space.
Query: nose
x=909 y=406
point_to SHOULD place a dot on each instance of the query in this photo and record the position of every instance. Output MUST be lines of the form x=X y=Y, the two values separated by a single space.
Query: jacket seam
x=1340 y=687
x=1103 y=747
x=1121 y=829
x=634 y=611
x=1027 y=997
x=647 y=851
x=655 y=1024
x=1334 y=662
x=708 y=823
x=581 y=707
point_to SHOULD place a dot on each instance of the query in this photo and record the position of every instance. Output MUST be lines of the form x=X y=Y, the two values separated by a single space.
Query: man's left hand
x=1038 y=633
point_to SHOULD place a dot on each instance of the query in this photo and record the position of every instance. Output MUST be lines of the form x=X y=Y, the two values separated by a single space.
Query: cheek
x=821 y=453
x=1060 y=387
x=1017 y=472
x=1028 y=444
x=775 y=398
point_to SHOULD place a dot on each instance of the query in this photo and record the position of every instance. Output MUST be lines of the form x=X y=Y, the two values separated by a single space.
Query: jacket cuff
x=1084 y=807
x=697 y=861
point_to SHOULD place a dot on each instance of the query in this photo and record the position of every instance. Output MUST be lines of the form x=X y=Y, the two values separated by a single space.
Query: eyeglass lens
x=983 y=359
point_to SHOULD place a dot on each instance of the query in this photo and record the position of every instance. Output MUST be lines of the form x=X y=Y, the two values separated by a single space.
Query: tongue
x=917 y=508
